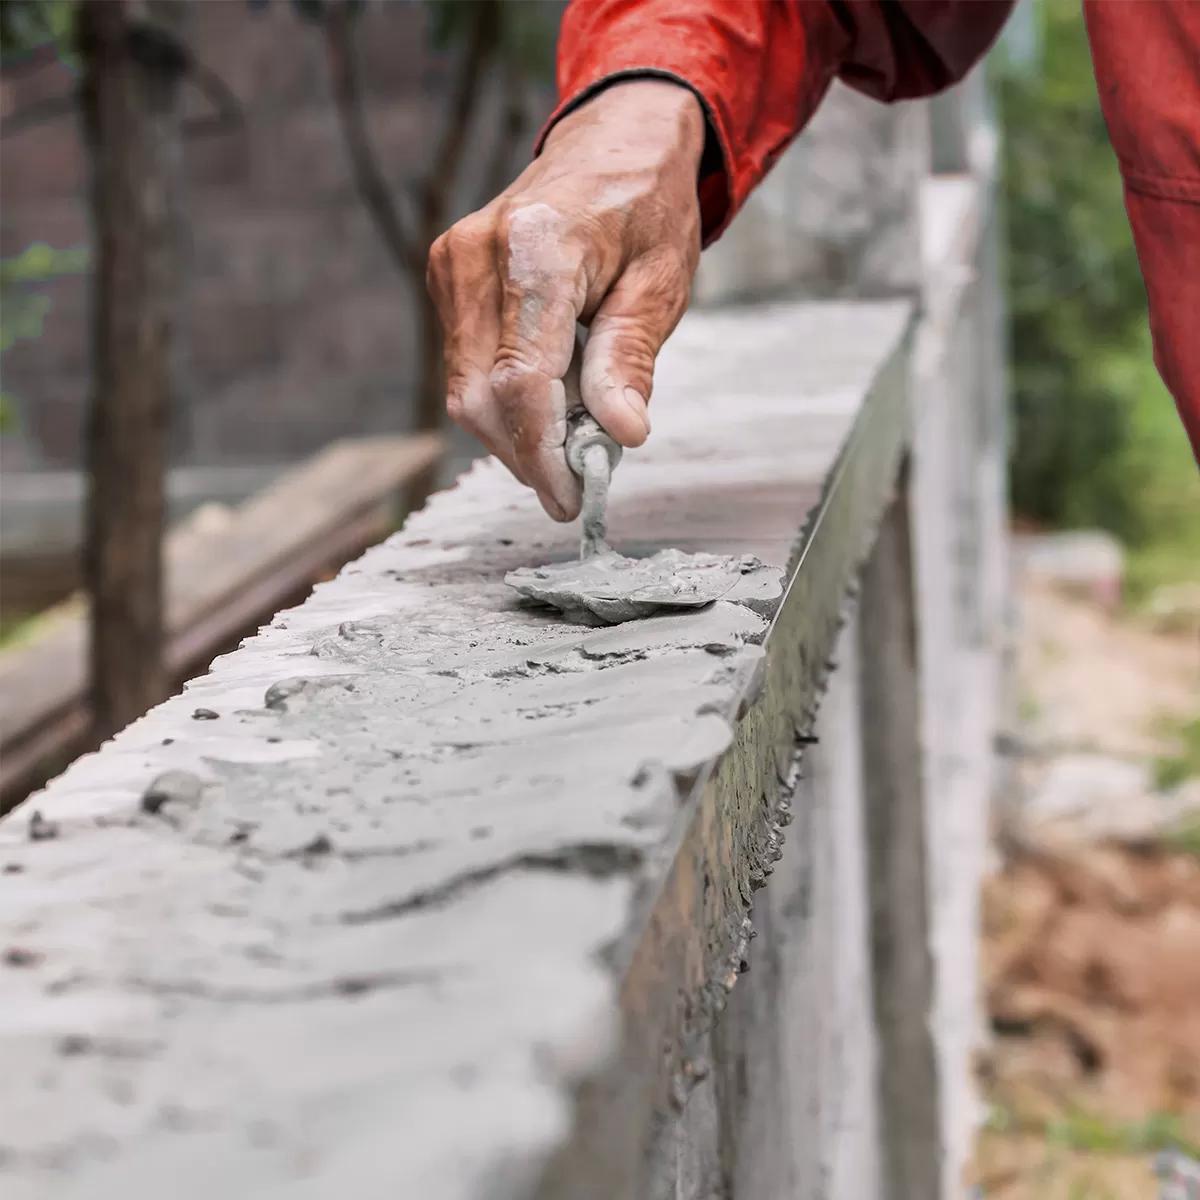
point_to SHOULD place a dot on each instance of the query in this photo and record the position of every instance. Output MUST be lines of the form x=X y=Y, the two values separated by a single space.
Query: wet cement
x=608 y=588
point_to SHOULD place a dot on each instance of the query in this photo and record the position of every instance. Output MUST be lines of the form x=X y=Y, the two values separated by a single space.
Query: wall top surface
x=343 y=913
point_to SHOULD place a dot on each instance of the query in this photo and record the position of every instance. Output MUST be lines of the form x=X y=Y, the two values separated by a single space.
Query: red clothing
x=761 y=67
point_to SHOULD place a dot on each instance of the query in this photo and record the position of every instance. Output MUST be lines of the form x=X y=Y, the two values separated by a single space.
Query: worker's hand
x=603 y=228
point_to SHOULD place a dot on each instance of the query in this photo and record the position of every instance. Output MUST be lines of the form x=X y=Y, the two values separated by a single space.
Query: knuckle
x=462 y=247
x=511 y=375
x=463 y=408
x=458 y=412
x=471 y=236
x=540 y=242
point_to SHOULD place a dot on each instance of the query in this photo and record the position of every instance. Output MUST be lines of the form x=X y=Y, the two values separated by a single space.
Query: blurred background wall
x=295 y=326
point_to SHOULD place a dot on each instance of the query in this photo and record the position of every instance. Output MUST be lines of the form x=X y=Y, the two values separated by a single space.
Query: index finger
x=543 y=289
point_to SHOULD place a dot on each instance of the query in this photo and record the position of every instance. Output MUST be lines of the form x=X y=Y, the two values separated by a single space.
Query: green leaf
x=23 y=309
x=39 y=262
x=21 y=319
x=8 y=409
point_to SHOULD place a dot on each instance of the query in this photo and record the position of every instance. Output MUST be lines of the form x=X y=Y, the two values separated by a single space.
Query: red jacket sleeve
x=1147 y=61
x=761 y=67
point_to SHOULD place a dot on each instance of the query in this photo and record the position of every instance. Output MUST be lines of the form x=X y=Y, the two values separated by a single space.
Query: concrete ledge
x=423 y=893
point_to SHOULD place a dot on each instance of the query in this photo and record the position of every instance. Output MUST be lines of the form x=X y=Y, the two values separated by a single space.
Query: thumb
x=626 y=334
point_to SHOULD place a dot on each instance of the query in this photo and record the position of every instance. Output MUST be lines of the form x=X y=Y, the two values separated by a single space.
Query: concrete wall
x=417 y=860
x=874 y=201
x=792 y=1107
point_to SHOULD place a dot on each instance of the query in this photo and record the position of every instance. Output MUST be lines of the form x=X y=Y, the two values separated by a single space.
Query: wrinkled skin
x=604 y=228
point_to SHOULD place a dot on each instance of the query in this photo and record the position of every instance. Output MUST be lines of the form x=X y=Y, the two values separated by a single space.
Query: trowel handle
x=584 y=432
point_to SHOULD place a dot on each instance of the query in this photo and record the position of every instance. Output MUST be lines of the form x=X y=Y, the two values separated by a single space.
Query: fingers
x=510 y=283
x=543 y=286
x=463 y=284
x=627 y=332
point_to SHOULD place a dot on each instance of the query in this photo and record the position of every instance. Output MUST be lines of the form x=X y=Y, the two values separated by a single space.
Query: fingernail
x=637 y=404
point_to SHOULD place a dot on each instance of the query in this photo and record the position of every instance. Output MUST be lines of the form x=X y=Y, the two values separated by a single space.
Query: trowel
x=604 y=587
x=593 y=456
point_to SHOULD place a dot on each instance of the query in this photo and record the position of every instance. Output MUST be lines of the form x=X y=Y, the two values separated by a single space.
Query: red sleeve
x=761 y=67
x=1147 y=60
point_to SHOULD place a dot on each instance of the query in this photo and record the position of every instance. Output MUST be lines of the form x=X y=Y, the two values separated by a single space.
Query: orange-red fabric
x=761 y=68
x=1147 y=59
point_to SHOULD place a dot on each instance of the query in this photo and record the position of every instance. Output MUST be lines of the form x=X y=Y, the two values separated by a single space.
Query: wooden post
x=132 y=68
x=903 y=979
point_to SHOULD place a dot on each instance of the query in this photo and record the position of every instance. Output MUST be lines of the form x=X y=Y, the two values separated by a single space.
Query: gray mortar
x=608 y=588
x=326 y=950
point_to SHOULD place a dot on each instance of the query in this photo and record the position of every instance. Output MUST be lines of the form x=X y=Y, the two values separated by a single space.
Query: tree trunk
x=131 y=116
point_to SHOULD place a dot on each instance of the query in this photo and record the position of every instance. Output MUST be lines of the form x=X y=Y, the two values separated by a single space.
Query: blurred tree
x=133 y=63
x=132 y=60
x=1097 y=441
x=508 y=40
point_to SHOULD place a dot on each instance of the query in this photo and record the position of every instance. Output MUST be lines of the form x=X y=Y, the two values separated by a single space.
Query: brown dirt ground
x=1094 y=680
x=1091 y=951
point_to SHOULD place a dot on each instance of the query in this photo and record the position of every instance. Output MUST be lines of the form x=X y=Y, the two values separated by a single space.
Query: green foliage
x=1097 y=440
x=1186 y=838
x=1170 y=770
x=39 y=262
x=23 y=308
x=26 y=25
x=1080 y=1130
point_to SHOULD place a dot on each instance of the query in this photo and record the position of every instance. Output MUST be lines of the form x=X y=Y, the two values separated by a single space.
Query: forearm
x=761 y=67
x=759 y=70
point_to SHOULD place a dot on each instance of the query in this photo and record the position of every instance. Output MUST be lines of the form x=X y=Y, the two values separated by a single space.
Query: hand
x=603 y=228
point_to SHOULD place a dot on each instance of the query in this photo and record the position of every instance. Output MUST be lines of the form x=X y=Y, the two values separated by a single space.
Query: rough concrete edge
x=633 y=1100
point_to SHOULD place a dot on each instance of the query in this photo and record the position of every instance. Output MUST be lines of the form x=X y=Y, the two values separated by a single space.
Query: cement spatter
x=608 y=588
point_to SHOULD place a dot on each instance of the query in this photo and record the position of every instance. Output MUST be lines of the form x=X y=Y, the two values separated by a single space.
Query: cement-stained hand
x=604 y=228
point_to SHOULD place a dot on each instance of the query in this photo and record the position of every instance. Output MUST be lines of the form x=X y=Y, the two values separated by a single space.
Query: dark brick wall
x=294 y=325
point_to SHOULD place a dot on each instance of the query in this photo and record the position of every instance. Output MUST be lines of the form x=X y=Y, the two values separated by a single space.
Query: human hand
x=603 y=228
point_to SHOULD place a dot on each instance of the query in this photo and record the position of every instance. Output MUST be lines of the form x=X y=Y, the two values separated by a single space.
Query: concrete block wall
x=871 y=201
x=454 y=896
